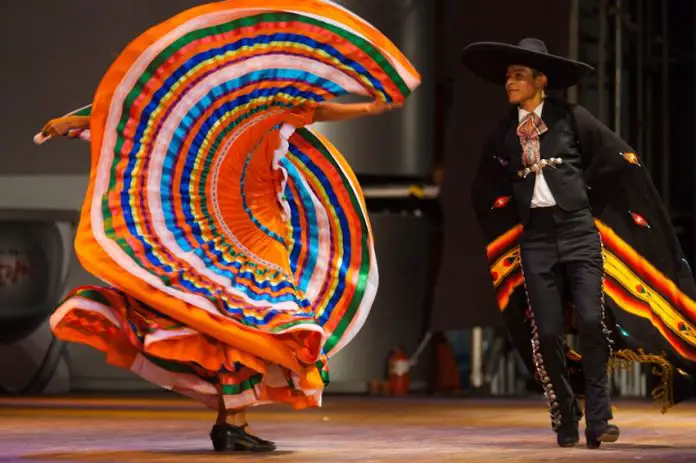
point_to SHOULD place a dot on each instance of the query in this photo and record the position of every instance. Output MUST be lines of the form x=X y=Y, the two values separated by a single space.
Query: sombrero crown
x=490 y=60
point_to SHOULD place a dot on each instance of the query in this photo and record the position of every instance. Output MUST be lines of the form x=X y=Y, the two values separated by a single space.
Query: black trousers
x=562 y=253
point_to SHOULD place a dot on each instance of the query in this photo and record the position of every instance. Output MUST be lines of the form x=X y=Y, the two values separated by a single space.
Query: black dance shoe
x=596 y=433
x=230 y=438
x=567 y=434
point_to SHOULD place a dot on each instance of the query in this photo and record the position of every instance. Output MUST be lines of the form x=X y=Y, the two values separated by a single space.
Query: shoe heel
x=609 y=433
x=592 y=442
x=225 y=444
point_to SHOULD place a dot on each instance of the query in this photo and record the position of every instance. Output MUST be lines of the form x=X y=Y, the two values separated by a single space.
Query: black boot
x=230 y=438
x=596 y=433
x=567 y=434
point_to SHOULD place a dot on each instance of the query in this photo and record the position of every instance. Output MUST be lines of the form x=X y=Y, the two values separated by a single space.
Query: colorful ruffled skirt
x=234 y=242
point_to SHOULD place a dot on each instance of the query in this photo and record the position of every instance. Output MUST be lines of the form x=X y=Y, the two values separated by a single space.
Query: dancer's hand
x=379 y=107
x=61 y=125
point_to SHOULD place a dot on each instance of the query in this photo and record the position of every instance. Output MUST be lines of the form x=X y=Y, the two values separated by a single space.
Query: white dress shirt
x=542 y=196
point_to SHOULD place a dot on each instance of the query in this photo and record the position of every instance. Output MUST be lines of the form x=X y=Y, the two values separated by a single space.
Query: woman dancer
x=234 y=241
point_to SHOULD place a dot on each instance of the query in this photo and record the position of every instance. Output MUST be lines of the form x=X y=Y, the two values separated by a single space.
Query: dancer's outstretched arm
x=326 y=111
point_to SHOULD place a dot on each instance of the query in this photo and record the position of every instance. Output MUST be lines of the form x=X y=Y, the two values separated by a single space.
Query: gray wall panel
x=401 y=244
x=57 y=55
x=399 y=143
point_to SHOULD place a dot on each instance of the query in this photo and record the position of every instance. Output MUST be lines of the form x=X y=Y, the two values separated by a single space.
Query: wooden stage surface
x=415 y=430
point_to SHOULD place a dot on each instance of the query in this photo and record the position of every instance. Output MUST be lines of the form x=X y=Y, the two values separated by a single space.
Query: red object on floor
x=447 y=376
x=399 y=379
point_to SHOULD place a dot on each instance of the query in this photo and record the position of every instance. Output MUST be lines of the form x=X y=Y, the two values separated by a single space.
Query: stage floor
x=168 y=430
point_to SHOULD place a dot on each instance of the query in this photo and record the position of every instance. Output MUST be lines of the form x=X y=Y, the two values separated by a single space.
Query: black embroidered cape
x=649 y=290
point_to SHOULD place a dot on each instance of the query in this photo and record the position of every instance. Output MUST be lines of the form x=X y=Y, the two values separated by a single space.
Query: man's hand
x=60 y=126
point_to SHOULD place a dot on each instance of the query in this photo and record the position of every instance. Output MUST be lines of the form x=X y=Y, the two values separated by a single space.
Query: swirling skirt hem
x=181 y=359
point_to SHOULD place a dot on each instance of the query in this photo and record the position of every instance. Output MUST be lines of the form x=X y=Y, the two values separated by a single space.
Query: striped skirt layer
x=235 y=241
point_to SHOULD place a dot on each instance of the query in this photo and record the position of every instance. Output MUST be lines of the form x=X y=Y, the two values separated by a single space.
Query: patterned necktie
x=529 y=131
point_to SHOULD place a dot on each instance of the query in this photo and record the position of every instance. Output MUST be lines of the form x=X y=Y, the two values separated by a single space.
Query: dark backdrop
x=54 y=55
x=464 y=295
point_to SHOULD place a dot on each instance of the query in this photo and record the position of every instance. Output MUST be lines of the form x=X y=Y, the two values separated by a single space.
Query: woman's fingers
x=46 y=128
x=56 y=127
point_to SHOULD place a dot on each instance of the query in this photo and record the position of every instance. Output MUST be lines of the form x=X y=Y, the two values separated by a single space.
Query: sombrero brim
x=490 y=60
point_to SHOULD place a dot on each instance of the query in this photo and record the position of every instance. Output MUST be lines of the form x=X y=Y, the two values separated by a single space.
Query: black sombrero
x=490 y=60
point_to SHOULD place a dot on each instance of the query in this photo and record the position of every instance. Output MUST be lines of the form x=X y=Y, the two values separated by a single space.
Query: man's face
x=522 y=85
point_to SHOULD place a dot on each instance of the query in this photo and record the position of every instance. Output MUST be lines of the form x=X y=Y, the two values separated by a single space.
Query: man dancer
x=544 y=169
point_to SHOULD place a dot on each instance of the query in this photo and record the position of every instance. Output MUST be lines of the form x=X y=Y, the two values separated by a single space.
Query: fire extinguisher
x=399 y=365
